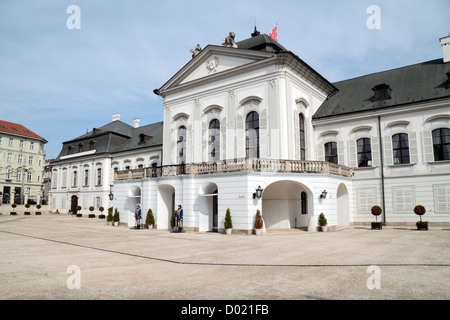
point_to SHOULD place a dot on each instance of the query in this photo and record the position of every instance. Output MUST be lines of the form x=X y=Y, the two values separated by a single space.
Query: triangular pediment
x=214 y=61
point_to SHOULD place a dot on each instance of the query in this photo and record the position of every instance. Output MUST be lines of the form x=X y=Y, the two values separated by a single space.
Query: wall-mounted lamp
x=111 y=196
x=258 y=193
x=324 y=194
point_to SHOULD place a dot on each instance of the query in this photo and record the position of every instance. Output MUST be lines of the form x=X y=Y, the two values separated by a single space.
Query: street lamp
x=258 y=193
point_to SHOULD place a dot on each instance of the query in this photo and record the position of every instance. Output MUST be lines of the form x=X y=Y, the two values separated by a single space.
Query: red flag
x=273 y=34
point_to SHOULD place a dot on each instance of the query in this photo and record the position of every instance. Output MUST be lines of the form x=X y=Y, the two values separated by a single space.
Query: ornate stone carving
x=212 y=64
x=196 y=51
x=229 y=41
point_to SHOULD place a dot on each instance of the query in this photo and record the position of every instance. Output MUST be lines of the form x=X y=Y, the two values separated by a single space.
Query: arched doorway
x=207 y=206
x=166 y=205
x=342 y=206
x=285 y=204
x=134 y=198
x=74 y=204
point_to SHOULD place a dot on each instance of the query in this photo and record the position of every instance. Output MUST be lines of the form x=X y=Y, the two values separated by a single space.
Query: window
x=8 y=174
x=75 y=182
x=64 y=179
x=331 y=152
x=181 y=145
x=442 y=198
x=441 y=144
x=80 y=147
x=30 y=160
x=20 y=159
x=31 y=145
x=9 y=157
x=401 y=148
x=92 y=145
x=11 y=142
x=365 y=199
x=364 y=152
x=302 y=137
x=29 y=176
x=21 y=144
x=70 y=150
x=252 y=135
x=403 y=199
x=19 y=175
x=381 y=92
x=214 y=139
x=86 y=178
x=99 y=176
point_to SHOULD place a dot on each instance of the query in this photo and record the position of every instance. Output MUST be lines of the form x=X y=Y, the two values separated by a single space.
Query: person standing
x=137 y=216
x=180 y=217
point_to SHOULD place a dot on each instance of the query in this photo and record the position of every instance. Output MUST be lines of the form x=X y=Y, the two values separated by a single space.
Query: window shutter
x=414 y=157
x=375 y=152
x=205 y=142
x=352 y=157
x=341 y=150
x=240 y=137
x=388 y=150
x=223 y=136
x=428 y=146
x=263 y=135
x=297 y=135
x=320 y=152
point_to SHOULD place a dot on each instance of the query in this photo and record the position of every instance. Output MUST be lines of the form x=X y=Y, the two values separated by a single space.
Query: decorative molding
x=329 y=132
x=398 y=123
x=250 y=99
x=303 y=101
x=361 y=128
x=272 y=83
x=212 y=64
x=182 y=116
x=213 y=108
x=438 y=117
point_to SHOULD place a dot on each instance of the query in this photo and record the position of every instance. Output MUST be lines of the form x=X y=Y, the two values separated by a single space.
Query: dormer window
x=92 y=145
x=381 y=92
x=70 y=150
x=80 y=147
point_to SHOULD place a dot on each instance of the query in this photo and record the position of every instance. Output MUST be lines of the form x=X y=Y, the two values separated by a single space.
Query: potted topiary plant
x=420 y=211
x=150 y=219
x=27 y=213
x=376 y=211
x=38 y=213
x=13 y=213
x=258 y=223
x=101 y=215
x=323 y=222
x=109 y=217
x=173 y=221
x=228 y=222
x=116 y=217
x=91 y=215
x=79 y=215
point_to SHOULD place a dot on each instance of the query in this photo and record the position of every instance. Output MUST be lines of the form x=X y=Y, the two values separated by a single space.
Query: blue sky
x=62 y=82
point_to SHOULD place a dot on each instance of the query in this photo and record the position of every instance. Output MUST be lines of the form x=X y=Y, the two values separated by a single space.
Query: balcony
x=237 y=165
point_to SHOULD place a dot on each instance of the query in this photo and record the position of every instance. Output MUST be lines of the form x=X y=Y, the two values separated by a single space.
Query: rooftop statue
x=229 y=41
x=196 y=51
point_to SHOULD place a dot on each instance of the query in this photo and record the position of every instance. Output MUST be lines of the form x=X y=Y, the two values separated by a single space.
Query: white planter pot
x=258 y=232
x=116 y=224
x=228 y=231
x=324 y=228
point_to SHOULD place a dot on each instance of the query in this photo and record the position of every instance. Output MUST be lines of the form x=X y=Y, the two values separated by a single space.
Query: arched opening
x=285 y=205
x=343 y=218
x=134 y=198
x=74 y=204
x=166 y=206
x=207 y=207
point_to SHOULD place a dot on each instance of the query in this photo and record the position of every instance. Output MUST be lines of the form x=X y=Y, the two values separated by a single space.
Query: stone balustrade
x=235 y=165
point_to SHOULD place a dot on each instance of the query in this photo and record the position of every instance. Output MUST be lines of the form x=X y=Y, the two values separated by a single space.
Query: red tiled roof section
x=18 y=129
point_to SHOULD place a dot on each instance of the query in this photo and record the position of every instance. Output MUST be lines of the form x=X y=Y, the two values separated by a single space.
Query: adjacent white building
x=256 y=116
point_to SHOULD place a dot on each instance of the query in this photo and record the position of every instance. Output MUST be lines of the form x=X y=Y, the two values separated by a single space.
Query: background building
x=22 y=159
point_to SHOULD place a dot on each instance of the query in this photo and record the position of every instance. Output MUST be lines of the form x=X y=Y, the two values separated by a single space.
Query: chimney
x=136 y=122
x=116 y=116
x=445 y=44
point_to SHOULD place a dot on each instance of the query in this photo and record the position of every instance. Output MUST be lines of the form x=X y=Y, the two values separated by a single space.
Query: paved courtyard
x=63 y=257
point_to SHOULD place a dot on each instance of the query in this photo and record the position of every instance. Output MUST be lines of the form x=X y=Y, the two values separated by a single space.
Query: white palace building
x=250 y=126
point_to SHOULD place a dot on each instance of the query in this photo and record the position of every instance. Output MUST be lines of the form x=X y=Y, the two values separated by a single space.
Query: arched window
x=302 y=137
x=331 y=152
x=400 y=147
x=252 y=135
x=214 y=140
x=181 y=145
x=364 y=152
x=441 y=144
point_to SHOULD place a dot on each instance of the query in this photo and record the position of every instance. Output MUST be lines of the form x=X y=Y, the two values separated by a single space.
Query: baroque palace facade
x=252 y=116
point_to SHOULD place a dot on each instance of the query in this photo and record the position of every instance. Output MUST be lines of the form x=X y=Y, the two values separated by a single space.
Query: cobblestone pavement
x=62 y=257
